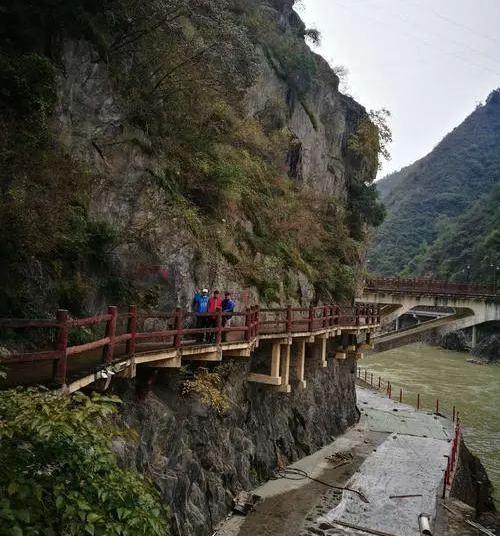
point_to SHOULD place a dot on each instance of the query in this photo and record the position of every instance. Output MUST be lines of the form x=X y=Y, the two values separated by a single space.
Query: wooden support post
x=61 y=365
x=325 y=317
x=285 y=371
x=356 y=312
x=132 y=330
x=418 y=401
x=300 y=367
x=337 y=315
x=324 y=362
x=311 y=318
x=178 y=326
x=109 y=349
x=289 y=319
x=275 y=360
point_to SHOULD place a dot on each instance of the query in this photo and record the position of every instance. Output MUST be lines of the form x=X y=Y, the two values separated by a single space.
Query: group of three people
x=203 y=305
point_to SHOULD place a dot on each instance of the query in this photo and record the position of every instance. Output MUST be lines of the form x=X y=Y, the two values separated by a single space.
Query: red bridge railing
x=115 y=335
x=430 y=286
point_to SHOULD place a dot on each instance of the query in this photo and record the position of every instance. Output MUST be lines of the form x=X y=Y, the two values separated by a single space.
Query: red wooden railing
x=122 y=332
x=430 y=286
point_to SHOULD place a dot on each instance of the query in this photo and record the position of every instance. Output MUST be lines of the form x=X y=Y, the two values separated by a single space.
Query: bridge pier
x=300 y=365
x=474 y=337
x=285 y=370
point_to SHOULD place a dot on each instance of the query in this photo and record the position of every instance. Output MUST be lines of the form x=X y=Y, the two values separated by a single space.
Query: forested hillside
x=472 y=239
x=441 y=212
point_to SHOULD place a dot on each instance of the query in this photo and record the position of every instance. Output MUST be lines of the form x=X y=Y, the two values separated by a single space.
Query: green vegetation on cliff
x=441 y=213
x=177 y=72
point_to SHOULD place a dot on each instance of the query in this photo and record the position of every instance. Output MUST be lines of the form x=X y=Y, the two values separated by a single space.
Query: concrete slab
x=399 y=452
x=402 y=465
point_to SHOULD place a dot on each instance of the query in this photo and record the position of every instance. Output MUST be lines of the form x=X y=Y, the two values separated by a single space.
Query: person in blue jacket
x=228 y=306
x=200 y=306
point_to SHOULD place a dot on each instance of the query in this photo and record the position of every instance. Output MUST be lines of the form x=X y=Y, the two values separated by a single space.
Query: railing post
x=337 y=315
x=356 y=312
x=109 y=349
x=311 y=318
x=325 y=317
x=218 y=337
x=257 y=321
x=178 y=327
x=289 y=319
x=61 y=365
x=132 y=329
x=248 y=325
x=252 y=321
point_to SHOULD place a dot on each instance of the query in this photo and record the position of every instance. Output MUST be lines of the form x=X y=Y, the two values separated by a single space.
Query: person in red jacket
x=214 y=303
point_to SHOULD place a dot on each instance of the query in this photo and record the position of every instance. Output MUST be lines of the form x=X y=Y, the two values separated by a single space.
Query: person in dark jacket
x=228 y=306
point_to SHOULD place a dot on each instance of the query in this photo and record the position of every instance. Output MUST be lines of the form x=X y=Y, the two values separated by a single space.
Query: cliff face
x=205 y=145
x=201 y=460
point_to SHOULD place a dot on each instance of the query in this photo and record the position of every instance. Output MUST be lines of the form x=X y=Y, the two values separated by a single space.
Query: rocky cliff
x=201 y=458
x=182 y=143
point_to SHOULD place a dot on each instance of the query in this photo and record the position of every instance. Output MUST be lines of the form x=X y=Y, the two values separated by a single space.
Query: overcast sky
x=430 y=62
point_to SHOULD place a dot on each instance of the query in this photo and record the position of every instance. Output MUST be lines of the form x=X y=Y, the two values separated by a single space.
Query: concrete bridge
x=456 y=305
x=123 y=342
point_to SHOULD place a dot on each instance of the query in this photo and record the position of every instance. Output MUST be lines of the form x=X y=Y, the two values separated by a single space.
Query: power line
x=454 y=41
x=422 y=40
x=460 y=25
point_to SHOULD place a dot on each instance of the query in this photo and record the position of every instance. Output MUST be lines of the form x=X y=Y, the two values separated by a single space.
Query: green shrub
x=58 y=474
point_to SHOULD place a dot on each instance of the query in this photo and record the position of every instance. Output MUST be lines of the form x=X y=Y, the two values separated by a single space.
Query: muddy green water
x=437 y=373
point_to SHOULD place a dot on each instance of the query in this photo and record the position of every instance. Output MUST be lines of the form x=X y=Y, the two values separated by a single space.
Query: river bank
x=395 y=451
x=435 y=373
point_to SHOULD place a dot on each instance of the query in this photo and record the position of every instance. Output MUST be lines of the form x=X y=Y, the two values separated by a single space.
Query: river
x=437 y=373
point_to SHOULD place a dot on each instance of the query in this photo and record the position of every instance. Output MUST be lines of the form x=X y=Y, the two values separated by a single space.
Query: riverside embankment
x=441 y=374
x=393 y=451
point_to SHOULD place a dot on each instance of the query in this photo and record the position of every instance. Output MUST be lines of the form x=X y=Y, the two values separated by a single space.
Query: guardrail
x=378 y=383
x=430 y=286
x=120 y=333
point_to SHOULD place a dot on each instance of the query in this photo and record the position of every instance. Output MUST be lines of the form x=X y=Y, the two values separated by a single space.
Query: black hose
x=291 y=473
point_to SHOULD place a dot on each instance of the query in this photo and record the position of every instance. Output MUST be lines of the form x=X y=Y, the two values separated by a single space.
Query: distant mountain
x=471 y=239
x=433 y=202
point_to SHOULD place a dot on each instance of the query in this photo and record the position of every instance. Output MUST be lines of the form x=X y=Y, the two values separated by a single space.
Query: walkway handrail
x=430 y=286
x=177 y=329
